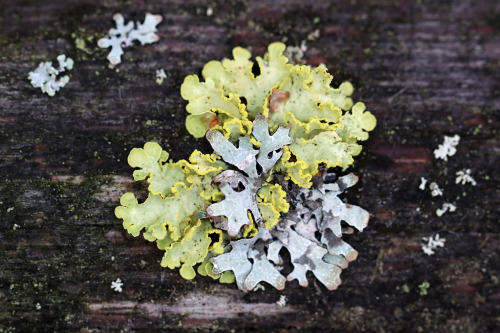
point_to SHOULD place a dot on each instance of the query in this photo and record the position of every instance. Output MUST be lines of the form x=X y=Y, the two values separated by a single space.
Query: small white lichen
x=435 y=190
x=210 y=11
x=125 y=34
x=46 y=76
x=448 y=148
x=296 y=53
x=446 y=207
x=313 y=35
x=160 y=75
x=282 y=301
x=423 y=182
x=432 y=243
x=38 y=306
x=464 y=177
x=117 y=285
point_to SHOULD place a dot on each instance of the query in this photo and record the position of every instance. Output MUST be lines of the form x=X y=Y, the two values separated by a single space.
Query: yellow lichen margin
x=206 y=267
x=250 y=230
x=271 y=200
x=208 y=105
x=235 y=76
x=169 y=214
x=157 y=214
x=192 y=249
x=301 y=159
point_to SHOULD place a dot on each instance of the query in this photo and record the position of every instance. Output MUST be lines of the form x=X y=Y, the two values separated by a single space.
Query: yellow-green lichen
x=174 y=215
x=271 y=200
x=234 y=93
x=192 y=249
x=176 y=192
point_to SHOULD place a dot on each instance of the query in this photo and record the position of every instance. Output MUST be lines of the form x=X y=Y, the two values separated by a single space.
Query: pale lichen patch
x=48 y=78
x=448 y=147
x=432 y=243
x=423 y=182
x=445 y=208
x=435 y=190
x=117 y=285
x=160 y=76
x=464 y=177
x=124 y=35
x=282 y=301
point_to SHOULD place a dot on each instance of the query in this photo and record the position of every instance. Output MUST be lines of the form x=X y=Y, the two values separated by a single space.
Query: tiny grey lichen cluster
x=124 y=35
x=47 y=77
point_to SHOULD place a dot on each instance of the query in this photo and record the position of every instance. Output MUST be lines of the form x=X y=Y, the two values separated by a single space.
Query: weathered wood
x=426 y=69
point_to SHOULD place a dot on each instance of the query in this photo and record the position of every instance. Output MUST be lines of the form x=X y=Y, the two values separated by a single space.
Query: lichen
x=48 y=78
x=275 y=129
x=124 y=35
x=447 y=148
x=177 y=191
x=240 y=188
x=235 y=92
x=316 y=212
x=185 y=194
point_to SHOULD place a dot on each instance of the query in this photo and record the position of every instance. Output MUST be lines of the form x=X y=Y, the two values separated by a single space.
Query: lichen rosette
x=273 y=126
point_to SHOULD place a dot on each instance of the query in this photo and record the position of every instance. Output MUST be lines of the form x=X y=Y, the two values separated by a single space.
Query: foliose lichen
x=124 y=35
x=322 y=119
x=50 y=79
x=275 y=129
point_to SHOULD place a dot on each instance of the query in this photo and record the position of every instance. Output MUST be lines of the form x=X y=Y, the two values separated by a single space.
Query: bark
x=425 y=69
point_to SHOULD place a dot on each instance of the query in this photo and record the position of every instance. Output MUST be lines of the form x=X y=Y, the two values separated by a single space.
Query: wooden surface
x=425 y=69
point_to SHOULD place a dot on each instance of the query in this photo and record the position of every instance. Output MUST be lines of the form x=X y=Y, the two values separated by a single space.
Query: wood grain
x=425 y=69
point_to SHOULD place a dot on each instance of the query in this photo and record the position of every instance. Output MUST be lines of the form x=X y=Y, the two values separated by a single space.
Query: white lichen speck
x=124 y=35
x=294 y=54
x=46 y=76
x=160 y=76
x=282 y=301
x=435 y=190
x=313 y=35
x=464 y=177
x=448 y=147
x=38 y=306
x=423 y=182
x=432 y=243
x=117 y=285
x=445 y=208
